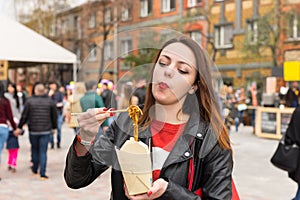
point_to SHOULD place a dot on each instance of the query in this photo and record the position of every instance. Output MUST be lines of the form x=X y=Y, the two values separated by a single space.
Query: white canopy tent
x=20 y=44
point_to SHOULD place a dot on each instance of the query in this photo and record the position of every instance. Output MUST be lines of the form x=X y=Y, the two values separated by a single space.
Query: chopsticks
x=109 y=111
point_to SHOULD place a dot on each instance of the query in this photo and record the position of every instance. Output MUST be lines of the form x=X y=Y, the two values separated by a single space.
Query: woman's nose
x=169 y=72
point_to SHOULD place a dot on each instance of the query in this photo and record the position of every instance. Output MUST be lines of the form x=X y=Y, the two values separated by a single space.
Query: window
x=196 y=35
x=124 y=14
x=92 y=20
x=252 y=32
x=92 y=52
x=108 y=51
x=294 y=27
x=145 y=8
x=223 y=36
x=107 y=16
x=192 y=3
x=64 y=26
x=168 y=5
x=75 y=22
x=126 y=47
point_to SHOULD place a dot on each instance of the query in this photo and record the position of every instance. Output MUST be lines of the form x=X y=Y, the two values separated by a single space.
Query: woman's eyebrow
x=181 y=62
x=168 y=57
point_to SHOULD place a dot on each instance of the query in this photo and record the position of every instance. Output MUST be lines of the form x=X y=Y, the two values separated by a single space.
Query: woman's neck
x=170 y=113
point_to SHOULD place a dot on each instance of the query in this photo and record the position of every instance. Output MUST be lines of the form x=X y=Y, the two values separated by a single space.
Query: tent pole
x=75 y=72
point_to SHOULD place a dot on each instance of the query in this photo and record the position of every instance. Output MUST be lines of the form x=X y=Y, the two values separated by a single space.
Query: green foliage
x=141 y=59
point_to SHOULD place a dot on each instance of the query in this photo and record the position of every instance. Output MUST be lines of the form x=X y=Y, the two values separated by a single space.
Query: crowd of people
x=44 y=109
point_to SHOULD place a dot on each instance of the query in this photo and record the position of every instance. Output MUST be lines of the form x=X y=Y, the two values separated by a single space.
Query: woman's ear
x=193 y=89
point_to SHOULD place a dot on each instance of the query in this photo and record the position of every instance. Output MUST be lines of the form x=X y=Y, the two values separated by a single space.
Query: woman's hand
x=90 y=121
x=159 y=188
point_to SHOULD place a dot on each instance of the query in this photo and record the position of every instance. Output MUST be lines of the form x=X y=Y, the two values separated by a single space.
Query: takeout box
x=135 y=162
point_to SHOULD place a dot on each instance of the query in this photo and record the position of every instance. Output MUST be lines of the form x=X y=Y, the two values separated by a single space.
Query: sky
x=7 y=7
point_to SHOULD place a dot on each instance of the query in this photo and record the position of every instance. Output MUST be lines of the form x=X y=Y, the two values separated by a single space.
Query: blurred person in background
x=22 y=96
x=58 y=98
x=40 y=114
x=92 y=100
x=12 y=143
x=78 y=90
x=254 y=97
x=125 y=96
x=140 y=91
x=292 y=95
x=109 y=99
x=241 y=106
x=5 y=117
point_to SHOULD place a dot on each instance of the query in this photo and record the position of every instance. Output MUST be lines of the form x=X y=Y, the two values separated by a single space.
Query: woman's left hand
x=159 y=187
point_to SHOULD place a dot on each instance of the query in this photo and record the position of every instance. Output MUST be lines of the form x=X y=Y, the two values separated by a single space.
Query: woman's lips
x=163 y=85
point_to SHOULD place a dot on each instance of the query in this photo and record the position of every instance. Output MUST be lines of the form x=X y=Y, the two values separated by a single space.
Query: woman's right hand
x=90 y=121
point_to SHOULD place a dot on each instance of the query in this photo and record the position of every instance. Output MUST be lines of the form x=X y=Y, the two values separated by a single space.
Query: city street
x=255 y=177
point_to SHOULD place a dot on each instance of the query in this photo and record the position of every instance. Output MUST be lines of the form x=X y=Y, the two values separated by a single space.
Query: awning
x=22 y=45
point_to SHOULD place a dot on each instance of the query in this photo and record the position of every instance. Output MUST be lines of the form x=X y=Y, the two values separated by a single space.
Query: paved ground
x=255 y=177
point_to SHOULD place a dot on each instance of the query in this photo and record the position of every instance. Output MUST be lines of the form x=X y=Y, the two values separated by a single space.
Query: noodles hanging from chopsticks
x=134 y=112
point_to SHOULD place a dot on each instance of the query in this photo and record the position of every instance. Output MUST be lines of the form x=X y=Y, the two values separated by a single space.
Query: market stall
x=272 y=122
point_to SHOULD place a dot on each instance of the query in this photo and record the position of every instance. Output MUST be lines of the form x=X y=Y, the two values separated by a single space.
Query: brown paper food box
x=135 y=163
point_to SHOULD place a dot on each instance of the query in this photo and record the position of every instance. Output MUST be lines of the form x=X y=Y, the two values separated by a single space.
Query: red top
x=5 y=113
x=164 y=137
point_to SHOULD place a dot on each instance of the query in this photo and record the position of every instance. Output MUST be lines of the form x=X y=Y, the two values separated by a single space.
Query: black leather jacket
x=213 y=165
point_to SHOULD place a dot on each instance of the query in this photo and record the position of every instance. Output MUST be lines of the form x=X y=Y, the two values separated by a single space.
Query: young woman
x=12 y=143
x=191 y=153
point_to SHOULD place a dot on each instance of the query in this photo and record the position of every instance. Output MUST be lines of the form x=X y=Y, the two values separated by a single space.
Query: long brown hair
x=206 y=98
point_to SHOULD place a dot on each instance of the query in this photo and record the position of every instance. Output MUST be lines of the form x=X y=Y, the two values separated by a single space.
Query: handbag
x=286 y=156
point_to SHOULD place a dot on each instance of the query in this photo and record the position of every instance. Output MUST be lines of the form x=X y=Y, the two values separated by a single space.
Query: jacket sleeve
x=9 y=115
x=216 y=179
x=24 y=116
x=81 y=171
x=53 y=115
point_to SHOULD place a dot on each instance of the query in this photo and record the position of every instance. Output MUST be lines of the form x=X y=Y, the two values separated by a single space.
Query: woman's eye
x=183 y=71
x=162 y=64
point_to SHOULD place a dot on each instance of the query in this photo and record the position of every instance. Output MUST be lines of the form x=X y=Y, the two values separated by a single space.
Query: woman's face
x=10 y=89
x=174 y=74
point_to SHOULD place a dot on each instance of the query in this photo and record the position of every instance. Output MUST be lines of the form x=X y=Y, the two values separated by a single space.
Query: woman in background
x=5 y=116
x=12 y=143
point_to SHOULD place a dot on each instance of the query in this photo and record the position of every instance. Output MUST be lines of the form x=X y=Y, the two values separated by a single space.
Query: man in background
x=140 y=91
x=292 y=95
x=41 y=116
x=92 y=100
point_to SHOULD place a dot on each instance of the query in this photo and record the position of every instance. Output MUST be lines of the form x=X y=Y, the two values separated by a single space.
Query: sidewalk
x=22 y=185
x=255 y=177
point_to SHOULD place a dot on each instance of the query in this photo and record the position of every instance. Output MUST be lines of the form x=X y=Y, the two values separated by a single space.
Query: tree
x=203 y=12
x=141 y=58
x=265 y=34
x=110 y=12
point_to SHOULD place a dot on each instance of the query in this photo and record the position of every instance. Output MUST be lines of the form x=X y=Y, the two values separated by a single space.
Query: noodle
x=134 y=112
